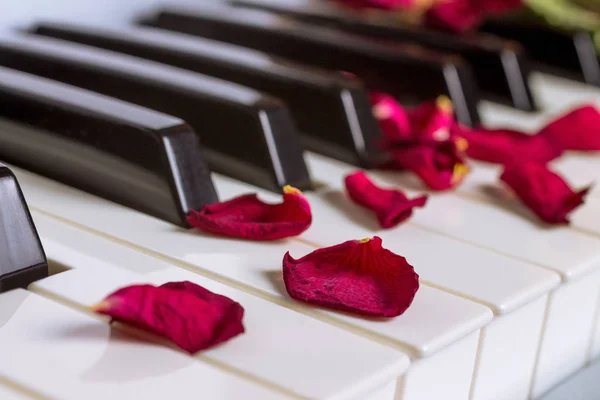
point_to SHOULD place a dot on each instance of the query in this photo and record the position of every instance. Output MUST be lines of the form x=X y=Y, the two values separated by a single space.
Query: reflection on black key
x=410 y=72
x=572 y=55
x=333 y=112
x=133 y=156
x=22 y=258
x=244 y=133
x=500 y=66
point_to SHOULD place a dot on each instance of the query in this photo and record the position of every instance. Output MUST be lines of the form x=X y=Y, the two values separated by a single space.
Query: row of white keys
x=65 y=354
x=280 y=348
x=517 y=290
x=440 y=329
x=556 y=96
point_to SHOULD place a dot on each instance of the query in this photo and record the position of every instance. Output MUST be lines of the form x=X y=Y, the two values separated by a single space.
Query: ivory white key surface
x=9 y=393
x=288 y=350
x=261 y=263
x=69 y=355
x=556 y=97
x=462 y=219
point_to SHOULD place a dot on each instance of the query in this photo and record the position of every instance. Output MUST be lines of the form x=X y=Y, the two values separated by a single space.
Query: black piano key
x=500 y=66
x=22 y=258
x=244 y=134
x=568 y=54
x=333 y=112
x=409 y=72
x=133 y=156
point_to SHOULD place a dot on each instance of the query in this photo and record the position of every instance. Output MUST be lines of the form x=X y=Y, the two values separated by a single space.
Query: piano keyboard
x=117 y=119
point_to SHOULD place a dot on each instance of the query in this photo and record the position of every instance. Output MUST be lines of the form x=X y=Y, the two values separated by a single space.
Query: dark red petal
x=501 y=146
x=578 y=130
x=379 y=4
x=440 y=166
x=188 y=315
x=543 y=191
x=391 y=116
x=248 y=217
x=356 y=276
x=232 y=313
x=391 y=207
x=460 y=16
x=433 y=119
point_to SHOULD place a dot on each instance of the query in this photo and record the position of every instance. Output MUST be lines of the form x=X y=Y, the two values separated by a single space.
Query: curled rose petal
x=501 y=146
x=391 y=116
x=544 y=192
x=248 y=217
x=430 y=120
x=433 y=120
x=379 y=4
x=391 y=207
x=577 y=130
x=355 y=276
x=189 y=315
x=440 y=165
x=460 y=16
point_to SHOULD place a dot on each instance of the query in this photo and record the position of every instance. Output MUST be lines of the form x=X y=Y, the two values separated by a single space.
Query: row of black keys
x=146 y=134
x=153 y=162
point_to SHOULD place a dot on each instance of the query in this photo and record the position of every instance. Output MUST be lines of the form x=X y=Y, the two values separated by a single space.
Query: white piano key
x=572 y=254
x=282 y=347
x=8 y=392
x=571 y=313
x=72 y=356
x=255 y=267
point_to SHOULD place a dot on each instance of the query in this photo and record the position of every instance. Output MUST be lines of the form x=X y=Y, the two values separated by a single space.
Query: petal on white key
x=261 y=263
x=74 y=356
x=280 y=346
x=498 y=281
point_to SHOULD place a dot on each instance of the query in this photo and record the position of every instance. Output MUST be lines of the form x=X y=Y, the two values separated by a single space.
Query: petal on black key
x=500 y=66
x=410 y=72
x=139 y=158
x=333 y=112
x=244 y=133
x=22 y=258
x=568 y=54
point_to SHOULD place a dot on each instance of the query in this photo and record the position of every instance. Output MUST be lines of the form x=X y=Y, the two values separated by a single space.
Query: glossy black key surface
x=500 y=66
x=332 y=111
x=245 y=134
x=22 y=258
x=139 y=158
x=409 y=72
x=568 y=54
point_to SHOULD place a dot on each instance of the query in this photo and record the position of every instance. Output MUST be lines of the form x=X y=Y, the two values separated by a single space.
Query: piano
x=117 y=118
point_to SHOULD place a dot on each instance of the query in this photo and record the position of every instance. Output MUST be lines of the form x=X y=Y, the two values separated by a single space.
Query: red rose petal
x=501 y=146
x=543 y=191
x=380 y=4
x=391 y=207
x=578 y=130
x=248 y=217
x=460 y=16
x=190 y=316
x=356 y=276
x=433 y=120
x=392 y=118
x=430 y=120
x=440 y=166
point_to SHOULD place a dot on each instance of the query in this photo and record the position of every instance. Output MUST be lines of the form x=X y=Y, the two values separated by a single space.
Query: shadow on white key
x=282 y=348
x=436 y=319
x=529 y=252
x=69 y=355
x=573 y=311
x=8 y=391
